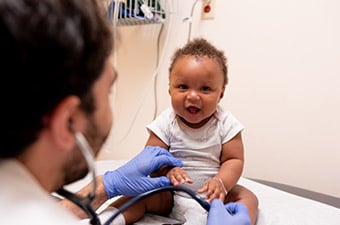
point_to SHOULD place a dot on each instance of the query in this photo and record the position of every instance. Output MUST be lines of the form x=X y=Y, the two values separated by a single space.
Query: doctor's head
x=56 y=55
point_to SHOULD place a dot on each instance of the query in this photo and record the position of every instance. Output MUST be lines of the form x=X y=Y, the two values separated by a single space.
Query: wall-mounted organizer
x=136 y=12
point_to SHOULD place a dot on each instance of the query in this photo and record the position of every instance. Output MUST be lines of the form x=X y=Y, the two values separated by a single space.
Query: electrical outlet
x=208 y=9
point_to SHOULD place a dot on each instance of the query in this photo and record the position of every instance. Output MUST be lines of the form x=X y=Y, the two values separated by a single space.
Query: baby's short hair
x=200 y=47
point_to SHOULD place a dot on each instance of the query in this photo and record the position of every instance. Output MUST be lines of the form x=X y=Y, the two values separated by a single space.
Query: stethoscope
x=85 y=202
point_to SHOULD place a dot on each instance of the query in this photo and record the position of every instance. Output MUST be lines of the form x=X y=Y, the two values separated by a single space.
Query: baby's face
x=196 y=86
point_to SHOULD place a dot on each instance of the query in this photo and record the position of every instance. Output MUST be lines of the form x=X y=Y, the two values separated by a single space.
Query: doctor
x=57 y=76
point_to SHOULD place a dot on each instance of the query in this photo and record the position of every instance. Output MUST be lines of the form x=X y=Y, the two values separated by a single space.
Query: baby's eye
x=205 y=88
x=182 y=86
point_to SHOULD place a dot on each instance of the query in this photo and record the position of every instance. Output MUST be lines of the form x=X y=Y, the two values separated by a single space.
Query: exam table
x=278 y=204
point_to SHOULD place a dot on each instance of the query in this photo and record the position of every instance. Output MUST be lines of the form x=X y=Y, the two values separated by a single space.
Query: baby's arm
x=232 y=159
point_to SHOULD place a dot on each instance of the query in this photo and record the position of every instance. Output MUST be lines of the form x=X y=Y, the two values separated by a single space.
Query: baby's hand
x=178 y=176
x=213 y=189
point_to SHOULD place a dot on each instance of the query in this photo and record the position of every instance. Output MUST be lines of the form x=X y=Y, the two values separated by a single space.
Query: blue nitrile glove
x=133 y=178
x=218 y=215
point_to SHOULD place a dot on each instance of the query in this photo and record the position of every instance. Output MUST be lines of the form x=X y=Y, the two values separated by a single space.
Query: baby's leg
x=160 y=204
x=241 y=194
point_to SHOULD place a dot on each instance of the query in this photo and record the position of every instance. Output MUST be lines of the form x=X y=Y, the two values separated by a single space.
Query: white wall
x=284 y=84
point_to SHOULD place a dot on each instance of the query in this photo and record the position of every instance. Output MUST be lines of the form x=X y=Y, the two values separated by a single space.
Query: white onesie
x=199 y=149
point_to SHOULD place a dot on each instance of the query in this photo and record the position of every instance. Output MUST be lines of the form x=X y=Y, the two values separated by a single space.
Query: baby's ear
x=222 y=93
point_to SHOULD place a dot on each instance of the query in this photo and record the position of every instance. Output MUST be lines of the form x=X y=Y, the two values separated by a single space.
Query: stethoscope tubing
x=137 y=198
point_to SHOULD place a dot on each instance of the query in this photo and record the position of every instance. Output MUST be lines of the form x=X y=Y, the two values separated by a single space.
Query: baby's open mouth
x=193 y=109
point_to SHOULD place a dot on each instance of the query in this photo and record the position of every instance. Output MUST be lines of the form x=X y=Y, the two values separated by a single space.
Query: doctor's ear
x=70 y=126
x=63 y=122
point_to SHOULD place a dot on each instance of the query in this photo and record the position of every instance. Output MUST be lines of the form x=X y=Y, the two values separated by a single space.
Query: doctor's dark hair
x=200 y=47
x=50 y=49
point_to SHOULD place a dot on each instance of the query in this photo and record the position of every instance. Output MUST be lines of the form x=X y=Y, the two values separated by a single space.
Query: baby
x=199 y=132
